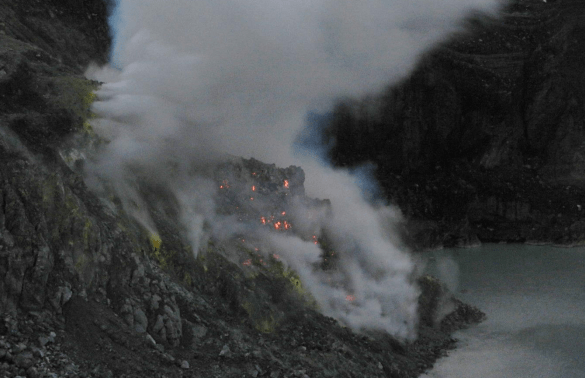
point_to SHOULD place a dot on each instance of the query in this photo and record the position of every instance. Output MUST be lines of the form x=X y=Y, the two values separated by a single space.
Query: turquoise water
x=534 y=299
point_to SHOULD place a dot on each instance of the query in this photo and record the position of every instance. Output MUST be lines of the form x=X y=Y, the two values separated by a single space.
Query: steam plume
x=197 y=80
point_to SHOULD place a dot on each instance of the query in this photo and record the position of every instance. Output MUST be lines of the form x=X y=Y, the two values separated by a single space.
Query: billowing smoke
x=196 y=81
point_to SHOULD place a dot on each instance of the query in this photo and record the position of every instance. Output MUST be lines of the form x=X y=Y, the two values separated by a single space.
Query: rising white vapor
x=198 y=79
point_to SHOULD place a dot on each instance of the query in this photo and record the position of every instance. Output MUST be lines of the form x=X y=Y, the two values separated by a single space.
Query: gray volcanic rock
x=485 y=140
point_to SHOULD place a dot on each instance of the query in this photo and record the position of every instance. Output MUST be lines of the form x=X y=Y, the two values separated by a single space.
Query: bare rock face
x=488 y=132
x=58 y=241
x=65 y=32
x=84 y=291
x=252 y=189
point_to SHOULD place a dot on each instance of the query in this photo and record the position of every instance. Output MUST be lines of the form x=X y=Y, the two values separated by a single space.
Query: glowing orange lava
x=253 y=188
x=278 y=225
x=315 y=241
x=247 y=262
x=286 y=184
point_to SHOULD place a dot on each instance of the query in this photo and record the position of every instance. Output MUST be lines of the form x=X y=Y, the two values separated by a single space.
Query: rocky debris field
x=89 y=339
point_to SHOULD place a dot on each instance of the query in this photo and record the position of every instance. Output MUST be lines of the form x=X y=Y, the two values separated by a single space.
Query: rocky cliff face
x=86 y=291
x=485 y=140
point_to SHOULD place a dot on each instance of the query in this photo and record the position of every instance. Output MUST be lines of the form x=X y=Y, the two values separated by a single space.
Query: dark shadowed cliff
x=485 y=140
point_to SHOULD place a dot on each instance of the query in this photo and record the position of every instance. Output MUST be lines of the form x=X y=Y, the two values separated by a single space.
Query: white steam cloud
x=196 y=80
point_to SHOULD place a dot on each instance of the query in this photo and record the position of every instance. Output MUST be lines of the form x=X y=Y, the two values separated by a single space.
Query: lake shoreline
x=533 y=299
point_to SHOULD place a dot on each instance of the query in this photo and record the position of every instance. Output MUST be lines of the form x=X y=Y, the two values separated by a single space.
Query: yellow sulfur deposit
x=155 y=240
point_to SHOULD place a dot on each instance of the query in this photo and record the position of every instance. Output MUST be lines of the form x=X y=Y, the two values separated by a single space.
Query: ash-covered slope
x=85 y=291
x=485 y=140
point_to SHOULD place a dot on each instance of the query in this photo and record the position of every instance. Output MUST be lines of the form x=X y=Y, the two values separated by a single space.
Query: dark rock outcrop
x=485 y=140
